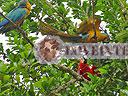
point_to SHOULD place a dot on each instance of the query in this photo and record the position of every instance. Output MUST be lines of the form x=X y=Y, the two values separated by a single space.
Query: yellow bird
x=91 y=30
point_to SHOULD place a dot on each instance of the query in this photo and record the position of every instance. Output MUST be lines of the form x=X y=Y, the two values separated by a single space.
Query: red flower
x=83 y=68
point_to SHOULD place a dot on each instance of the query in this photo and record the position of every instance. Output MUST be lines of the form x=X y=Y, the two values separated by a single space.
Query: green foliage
x=22 y=75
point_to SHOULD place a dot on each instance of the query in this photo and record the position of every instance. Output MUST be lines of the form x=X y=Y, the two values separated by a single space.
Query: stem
x=50 y=5
x=93 y=24
x=62 y=87
x=124 y=9
x=71 y=72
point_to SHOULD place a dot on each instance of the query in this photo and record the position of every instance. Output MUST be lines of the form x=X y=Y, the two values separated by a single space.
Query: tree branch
x=123 y=7
x=64 y=86
x=71 y=72
x=76 y=76
x=51 y=6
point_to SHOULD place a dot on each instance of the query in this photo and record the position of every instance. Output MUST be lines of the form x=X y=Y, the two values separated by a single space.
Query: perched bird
x=84 y=68
x=17 y=15
x=91 y=32
x=86 y=25
x=98 y=37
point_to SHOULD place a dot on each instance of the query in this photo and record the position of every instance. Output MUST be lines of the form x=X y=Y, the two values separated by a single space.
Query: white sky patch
x=40 y=36
x=127 y=1
x=98 y=12
x=4 y=41
x=46 y=16
x=76 y=21
x=65 y=4
x=103 y=24
x=33 y=6
x=1 y=10
x=82 y=1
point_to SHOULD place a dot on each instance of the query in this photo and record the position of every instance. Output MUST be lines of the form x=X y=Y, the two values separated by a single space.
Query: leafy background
x=22 y=75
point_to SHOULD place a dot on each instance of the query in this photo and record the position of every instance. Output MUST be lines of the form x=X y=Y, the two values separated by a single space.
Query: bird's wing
x=15 y=15
x=4 y=22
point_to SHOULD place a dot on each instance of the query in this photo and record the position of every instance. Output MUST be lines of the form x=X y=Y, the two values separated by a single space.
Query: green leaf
x=6 y=78
x=102 y=71
x=3 y=67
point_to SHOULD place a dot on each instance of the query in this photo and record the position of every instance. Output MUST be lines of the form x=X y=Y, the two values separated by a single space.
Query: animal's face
x=25 y=4
x=28 y=6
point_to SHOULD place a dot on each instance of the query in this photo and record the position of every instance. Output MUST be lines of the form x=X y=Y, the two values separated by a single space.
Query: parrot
x=83 y=68
x=17 y=15
x=91 y=33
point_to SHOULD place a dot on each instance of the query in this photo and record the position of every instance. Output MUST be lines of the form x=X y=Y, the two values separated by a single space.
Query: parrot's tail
x=73 y=39
x=5 y=29
x=4 y=22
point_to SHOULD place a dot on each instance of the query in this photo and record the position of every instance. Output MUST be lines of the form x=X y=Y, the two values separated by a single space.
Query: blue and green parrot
x=17 y=15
